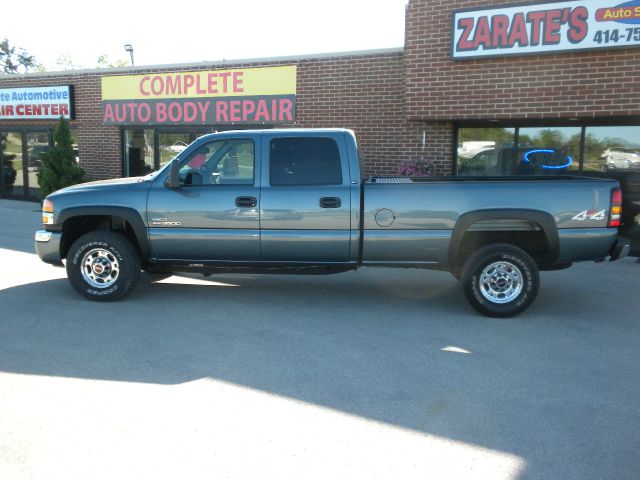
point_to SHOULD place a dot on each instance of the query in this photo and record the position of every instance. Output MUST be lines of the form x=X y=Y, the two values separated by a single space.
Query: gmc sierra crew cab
x=295 y=201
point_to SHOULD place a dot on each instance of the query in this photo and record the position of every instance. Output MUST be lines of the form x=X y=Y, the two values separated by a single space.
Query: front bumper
x=48 y=246
x=620 y=249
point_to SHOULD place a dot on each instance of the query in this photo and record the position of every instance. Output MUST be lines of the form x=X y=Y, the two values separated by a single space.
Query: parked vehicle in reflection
x=35 y=162
x=177 y=147
x=472 y=148
x=621 y=157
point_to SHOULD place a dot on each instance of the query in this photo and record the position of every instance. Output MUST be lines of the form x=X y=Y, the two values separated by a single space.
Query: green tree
x=105 y=62
x=59 y=168
x=499 y=135
x=549 y=138
x=15 y=60
x=65 y=62
x=8 y=170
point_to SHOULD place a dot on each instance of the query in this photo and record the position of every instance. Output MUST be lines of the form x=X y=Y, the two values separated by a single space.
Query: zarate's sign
x=546 y=27
x=239 y=96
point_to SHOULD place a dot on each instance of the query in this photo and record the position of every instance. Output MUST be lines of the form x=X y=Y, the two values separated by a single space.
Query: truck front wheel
x=500 y=280
x=103 y=265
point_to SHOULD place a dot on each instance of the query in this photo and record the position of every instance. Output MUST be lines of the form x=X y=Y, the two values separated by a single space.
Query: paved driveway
x=370 y=374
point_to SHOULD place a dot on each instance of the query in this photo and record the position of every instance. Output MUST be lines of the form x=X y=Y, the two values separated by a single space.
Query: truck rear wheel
x=500 y=280
x=103 y=266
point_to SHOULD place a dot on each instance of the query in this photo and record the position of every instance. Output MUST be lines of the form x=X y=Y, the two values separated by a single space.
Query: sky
x=193 y=31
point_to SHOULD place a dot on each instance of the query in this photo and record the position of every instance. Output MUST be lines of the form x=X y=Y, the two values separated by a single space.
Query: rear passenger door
x=305 y=200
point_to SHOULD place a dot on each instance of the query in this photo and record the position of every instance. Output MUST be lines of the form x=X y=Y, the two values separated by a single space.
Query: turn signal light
x=615 y=214
x=47 y=212
x=47 y=206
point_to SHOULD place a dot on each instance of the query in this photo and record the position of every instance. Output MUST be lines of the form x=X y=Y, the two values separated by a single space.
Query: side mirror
x=174 y=174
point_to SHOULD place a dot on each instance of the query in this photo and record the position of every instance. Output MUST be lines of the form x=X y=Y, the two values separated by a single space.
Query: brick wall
x=361 y=92
x=583 y=85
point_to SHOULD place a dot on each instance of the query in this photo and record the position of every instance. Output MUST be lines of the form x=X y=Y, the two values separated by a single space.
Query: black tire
x=103 y=266
x=510 y=282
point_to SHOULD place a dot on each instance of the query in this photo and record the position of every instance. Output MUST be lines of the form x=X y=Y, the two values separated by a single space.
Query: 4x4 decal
x=590 y=215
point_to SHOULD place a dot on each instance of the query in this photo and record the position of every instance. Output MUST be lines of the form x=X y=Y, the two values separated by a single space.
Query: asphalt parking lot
x=379 y=373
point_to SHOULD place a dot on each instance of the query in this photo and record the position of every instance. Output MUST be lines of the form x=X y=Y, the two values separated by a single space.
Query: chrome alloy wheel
x=501 y=282
x=100 y=268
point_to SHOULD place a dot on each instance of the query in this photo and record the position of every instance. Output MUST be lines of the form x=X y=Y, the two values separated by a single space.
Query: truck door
x=215 y=214
x=306 y=202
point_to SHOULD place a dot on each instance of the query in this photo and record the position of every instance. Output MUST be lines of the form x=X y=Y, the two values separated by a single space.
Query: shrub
x=59 y=168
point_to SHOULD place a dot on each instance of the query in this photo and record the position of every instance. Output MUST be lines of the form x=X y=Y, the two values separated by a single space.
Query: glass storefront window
x=74 y=144
x=138 y=154
x=11 y=156
x=549 y=150
x=37 y=144
x=485 y=151
x=612 y=149
x=171 y=144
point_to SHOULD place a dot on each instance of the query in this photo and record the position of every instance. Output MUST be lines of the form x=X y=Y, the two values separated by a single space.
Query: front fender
x=131 y=216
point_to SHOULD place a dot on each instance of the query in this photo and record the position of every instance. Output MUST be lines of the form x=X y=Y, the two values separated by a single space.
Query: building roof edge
x=206 y=64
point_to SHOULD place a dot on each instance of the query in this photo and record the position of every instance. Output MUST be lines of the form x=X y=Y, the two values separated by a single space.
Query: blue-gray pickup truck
x=295 y=201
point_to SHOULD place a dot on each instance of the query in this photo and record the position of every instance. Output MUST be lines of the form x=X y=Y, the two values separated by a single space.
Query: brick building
x=480 y=88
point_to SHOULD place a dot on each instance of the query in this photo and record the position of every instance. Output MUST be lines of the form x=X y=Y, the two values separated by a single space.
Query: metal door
x=305 y=203
x=215 y=214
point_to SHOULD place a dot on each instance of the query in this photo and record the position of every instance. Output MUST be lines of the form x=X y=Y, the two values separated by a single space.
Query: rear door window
x=299 y=161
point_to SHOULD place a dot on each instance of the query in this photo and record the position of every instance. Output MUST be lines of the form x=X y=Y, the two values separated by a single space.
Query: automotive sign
x=546 y=27
x=35 y=103
x=239 y=96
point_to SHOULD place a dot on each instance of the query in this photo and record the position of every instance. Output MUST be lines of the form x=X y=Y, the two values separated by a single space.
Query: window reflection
x=549 y=151
x=37 y=145
x=485 y=151
x=74 y=144
x=612 y=148
x=171 y=144
x=138 y=152
x=11 y=157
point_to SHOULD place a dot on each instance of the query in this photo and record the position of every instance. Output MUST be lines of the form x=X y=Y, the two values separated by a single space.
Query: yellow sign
x=245 y=82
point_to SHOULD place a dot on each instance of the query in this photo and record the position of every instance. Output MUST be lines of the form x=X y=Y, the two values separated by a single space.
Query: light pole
x=129 y=49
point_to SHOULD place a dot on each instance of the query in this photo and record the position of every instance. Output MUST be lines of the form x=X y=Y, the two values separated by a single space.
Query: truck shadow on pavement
x=387 y=345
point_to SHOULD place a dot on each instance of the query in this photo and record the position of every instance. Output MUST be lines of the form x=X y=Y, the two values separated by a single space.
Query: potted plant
x=417 y=167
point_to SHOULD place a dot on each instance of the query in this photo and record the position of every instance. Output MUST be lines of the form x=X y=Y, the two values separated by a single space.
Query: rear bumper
x=585 y=244
x=620 y=249
x=48 y=246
